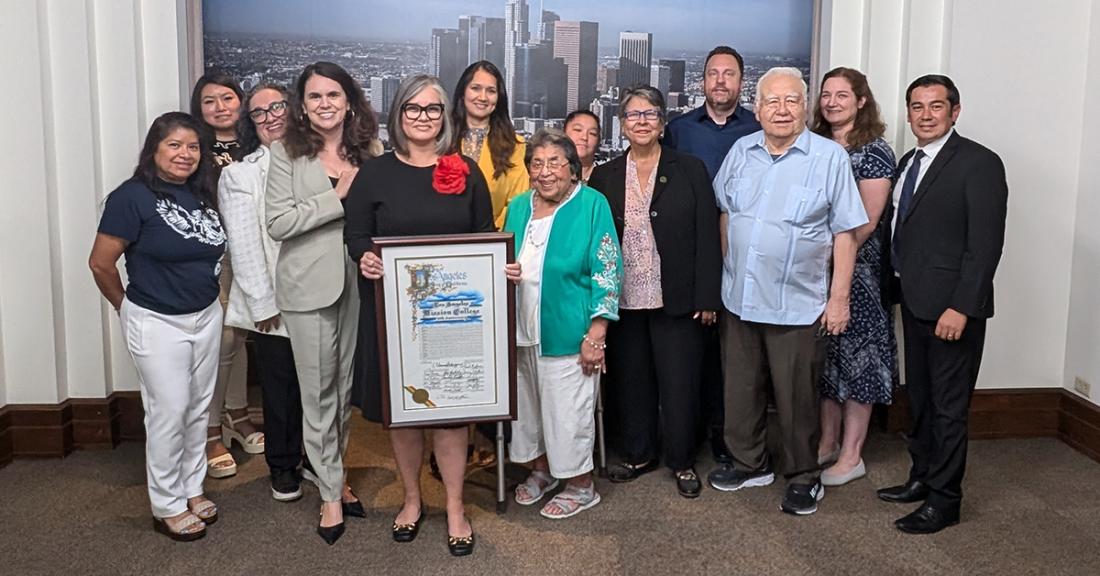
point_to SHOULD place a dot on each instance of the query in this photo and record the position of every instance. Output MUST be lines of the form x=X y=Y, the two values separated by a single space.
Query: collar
x=934 y=147
x=702 y=115
x=802 y=143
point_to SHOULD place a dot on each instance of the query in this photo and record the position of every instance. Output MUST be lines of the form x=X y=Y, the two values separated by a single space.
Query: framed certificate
x=446 y=329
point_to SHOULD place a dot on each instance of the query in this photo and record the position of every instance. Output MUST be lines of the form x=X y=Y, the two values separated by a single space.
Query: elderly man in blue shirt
x=790 y=207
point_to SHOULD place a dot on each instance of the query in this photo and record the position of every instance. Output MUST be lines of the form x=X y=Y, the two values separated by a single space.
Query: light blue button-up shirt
x=783 y=214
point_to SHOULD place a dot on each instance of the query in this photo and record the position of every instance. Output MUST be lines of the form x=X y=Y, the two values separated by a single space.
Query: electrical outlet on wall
x=1082 y=386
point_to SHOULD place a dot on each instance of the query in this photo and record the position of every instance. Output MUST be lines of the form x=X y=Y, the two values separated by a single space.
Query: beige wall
x=93 y=74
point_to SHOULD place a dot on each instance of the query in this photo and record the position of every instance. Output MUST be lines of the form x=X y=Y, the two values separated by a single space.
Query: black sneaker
x=285 y=485
x=802 y=499
x=728 y=479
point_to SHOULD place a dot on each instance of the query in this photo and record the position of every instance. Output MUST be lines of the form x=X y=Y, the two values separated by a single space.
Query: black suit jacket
x=953 y=233
x=684 y=217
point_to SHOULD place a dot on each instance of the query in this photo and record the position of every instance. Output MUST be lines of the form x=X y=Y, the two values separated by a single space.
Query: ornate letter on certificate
x=445 y=324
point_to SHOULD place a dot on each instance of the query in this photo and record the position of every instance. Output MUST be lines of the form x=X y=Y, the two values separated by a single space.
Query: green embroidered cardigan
x=581 y=272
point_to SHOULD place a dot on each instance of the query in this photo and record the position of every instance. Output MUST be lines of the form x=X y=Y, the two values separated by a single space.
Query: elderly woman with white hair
x=566 y=245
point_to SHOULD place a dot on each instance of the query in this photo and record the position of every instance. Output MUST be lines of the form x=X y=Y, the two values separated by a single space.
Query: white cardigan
x=252 y=251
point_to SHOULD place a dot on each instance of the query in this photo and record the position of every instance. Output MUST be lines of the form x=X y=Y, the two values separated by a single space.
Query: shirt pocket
x=739 y=194
x=805 y=206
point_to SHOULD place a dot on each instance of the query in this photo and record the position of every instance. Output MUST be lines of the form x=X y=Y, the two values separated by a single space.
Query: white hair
x=779 y=71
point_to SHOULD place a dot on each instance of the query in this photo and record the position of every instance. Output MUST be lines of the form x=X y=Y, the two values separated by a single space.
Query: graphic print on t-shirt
x=202 y=224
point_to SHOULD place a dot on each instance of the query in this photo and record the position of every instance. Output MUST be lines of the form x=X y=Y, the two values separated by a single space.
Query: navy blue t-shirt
x=175 y=246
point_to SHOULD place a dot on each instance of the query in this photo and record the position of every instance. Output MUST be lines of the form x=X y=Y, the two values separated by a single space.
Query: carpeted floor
x=1031 y=507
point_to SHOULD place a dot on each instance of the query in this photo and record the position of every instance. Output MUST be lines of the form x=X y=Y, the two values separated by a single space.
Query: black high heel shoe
x=353 y=508
x=408 y=532
x=330 y=534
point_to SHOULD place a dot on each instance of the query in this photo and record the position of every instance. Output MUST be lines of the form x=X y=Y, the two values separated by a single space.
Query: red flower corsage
x=449 y=176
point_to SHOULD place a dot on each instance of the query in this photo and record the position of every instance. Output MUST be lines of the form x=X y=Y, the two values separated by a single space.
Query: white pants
x=555 y=405
x=177 y=362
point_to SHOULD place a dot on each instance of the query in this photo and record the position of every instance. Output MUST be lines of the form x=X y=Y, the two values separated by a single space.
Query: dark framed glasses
x=414 y=111
x=261 y=115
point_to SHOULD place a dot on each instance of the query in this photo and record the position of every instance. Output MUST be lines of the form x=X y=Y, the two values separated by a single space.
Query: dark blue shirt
x=696 y=134
x=175 y=246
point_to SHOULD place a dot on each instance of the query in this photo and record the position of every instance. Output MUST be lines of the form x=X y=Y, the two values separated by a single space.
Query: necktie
x=908 y=187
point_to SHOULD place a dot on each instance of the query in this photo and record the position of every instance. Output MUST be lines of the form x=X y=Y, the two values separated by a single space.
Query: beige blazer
x=304 y=214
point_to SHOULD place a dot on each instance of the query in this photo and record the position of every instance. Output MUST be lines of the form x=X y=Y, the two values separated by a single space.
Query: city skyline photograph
x=556 y=56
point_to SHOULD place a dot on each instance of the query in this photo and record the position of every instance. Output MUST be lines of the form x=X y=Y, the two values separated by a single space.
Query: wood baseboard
x=1020 y=413
x=53 y=431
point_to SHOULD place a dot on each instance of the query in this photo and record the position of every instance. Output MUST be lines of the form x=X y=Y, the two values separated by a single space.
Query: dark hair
x=201 y=181
x=502 y=135
x=577 y=114
x=868 y=122
x=246 y=128
x=727 y=51
x=554 y=137
x=360 y=125
x=645 y=92
x=219 y=78
x=934 y=80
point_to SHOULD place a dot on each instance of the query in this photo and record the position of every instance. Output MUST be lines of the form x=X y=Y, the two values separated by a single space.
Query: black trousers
x=282 y=401
x=940 y=377
x=654 y=360
x=712 y=385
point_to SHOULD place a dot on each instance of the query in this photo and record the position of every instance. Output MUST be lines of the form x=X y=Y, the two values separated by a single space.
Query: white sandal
x=535 y=486
x=222 y=466
x=571 y=502
x=251 y=444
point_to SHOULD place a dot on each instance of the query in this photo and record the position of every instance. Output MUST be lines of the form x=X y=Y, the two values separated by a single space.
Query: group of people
x=728 y=260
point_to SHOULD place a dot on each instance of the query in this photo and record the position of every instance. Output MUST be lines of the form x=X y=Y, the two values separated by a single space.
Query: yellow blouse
x=511 y=183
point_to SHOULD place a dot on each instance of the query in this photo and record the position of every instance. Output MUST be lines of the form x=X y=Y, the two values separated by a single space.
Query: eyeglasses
x=636 y=115
x=413 y=111
x=260 y=115
x=553 y=164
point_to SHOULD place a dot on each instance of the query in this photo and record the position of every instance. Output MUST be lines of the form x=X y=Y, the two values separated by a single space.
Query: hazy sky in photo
x=751 y=26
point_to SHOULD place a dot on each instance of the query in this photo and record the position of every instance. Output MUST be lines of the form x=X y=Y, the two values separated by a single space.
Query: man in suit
x=951 y=198
x=708 y=132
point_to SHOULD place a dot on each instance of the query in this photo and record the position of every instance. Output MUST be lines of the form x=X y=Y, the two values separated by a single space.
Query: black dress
x=391 y=198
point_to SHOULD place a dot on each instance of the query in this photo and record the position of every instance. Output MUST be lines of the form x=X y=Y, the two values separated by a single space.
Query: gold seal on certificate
x=446 y=329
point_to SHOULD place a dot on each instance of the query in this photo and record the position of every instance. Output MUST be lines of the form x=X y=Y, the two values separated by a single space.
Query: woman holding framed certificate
x=420 y=188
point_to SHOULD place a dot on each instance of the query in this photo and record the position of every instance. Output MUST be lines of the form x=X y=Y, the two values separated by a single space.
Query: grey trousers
x=324 y=347
x=793 y=356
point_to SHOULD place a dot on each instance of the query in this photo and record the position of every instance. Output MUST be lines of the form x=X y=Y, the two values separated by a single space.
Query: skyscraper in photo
x=606 y=78
x=546 y=26
x=658 y=78
x=484 y=39
x=676 y=70
x=443 y=57
x=382 y=91
x=635 y=57
x=540 y=83
x=516 y=33
x=576 y=43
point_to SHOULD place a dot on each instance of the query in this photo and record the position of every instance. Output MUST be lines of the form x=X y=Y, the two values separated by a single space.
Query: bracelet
x=595 y=344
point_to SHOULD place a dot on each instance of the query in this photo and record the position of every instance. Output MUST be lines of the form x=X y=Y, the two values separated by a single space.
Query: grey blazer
x=304 y=214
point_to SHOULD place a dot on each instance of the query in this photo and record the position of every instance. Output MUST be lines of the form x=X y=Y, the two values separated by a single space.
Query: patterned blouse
x=472 y=141
x=641 y=263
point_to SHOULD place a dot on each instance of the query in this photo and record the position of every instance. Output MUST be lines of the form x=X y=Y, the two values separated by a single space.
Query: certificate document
x=446 y=329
